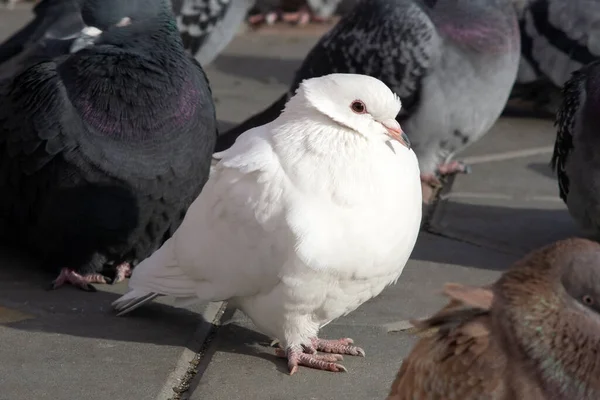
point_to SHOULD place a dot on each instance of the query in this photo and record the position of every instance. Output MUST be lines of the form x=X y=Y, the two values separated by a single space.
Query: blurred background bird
x=533 y=334
x=557 y=38
x=452 y=62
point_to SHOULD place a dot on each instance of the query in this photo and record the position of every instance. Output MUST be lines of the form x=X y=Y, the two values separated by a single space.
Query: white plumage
x=303 y=220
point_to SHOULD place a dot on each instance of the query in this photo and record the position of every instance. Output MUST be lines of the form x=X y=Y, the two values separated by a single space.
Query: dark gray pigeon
x=558 y=37
x=102 y=151
x=206 y=27
x=576 y=158
x=452 y=62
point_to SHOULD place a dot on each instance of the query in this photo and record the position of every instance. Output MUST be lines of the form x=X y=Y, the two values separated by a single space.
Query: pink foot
x=296 y=357
x=258 y=19
x=308 y=357
x=123 y=271
x=82 y=282
x=454 y=167
x=431 y=179
x=340 y=346
x=301 y=17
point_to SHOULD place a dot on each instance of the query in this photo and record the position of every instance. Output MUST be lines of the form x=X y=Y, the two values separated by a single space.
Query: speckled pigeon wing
x=559 y=37
x=457 y=359
x=394 y=41
x=207 y=26
x=573 y=91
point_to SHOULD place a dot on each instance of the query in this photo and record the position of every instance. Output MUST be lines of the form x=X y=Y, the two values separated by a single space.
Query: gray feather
x=559 y=37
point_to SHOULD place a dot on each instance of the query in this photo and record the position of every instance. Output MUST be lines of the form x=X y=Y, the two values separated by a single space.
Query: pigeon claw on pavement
x=67 y=275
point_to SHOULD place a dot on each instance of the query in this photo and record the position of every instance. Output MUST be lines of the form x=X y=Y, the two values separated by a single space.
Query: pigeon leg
x=123 y=271
x=269 y=18
x=67 y=275
x=301 y=17
x=432 y=180
x=297 y=356
x=454 y=167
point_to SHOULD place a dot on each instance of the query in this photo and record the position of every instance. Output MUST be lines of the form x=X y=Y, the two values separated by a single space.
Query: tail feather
x=131 y=301
x=158 y=275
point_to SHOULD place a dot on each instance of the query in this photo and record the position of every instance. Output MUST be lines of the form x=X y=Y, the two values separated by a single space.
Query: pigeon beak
x=395 y=132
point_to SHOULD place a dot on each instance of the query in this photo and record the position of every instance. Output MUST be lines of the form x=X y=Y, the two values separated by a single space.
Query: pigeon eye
x=358 y=107
x=587 y=300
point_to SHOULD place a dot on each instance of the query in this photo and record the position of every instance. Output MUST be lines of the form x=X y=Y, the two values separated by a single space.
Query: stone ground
x=66 y=344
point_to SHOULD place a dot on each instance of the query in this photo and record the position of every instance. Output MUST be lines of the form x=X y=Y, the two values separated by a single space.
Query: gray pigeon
x=558 y=37
x=206 y=27
x=576 y=158
x=102 y=151
x=452 y=62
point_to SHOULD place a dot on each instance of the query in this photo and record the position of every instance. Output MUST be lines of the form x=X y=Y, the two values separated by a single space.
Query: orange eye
x=587 y=300
x=358 y=107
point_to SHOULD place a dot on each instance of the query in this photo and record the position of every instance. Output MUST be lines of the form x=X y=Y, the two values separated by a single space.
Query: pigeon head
x=548 y=307
x=581 y=279
x=103 y=14
x=566 y=272
x=359 y=103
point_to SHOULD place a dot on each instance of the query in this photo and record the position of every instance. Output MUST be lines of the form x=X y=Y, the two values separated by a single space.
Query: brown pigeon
x=534 y=334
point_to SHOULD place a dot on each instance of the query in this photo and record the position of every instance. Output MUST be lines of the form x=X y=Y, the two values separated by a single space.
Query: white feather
x=303 y=220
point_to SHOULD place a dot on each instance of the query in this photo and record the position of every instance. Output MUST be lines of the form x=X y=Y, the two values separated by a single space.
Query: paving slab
x=66 y=344
x=510 y=200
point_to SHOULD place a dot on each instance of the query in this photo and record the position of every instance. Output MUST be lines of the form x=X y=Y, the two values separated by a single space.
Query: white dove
x=304 y=219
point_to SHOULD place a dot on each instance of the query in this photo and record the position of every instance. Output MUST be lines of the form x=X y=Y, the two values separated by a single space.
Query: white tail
x=157 y=275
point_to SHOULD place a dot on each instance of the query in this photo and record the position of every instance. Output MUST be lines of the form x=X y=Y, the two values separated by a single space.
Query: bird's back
x=461 y=355
x=558 y=37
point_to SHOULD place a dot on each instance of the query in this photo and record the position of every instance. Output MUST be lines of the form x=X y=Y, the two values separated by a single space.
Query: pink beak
x=396 y=132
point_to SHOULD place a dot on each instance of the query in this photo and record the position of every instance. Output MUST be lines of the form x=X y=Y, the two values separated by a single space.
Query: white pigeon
x=303 y=220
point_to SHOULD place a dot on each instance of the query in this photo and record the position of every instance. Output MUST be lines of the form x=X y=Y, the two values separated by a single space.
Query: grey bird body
x=557 y=38
x=463 y=93
x=452 y=62
x=576 y=159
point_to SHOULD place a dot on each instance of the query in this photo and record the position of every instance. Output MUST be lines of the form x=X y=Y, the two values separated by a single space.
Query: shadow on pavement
x=515 y=230
x=70 y=311
x=543 y=169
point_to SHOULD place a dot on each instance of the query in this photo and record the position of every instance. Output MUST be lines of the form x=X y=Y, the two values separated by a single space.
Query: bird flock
x=108 y=130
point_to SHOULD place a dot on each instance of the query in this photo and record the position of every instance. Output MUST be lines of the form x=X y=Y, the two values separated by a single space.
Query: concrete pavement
x=66 y=344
